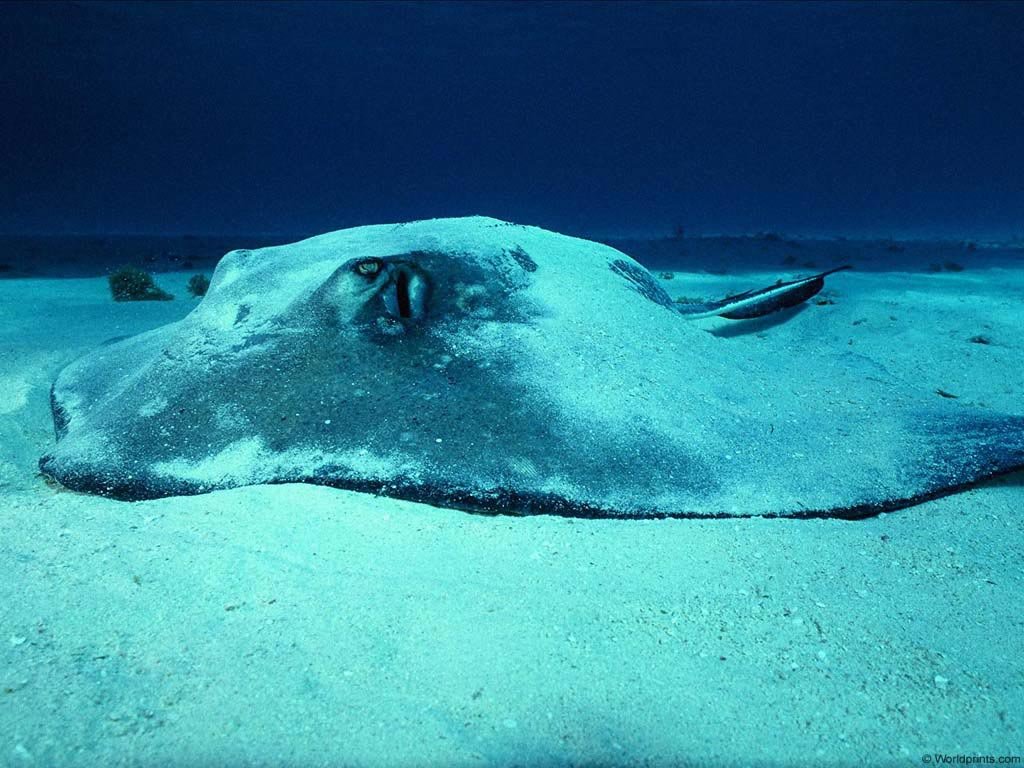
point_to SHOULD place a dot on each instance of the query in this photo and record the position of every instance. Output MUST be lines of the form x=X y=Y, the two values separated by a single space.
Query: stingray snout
x=405 y=293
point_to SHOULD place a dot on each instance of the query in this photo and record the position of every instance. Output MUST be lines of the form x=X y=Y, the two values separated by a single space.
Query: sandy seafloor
x=296 y=625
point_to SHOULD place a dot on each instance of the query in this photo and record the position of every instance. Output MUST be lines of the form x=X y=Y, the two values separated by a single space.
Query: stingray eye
x=369 y=267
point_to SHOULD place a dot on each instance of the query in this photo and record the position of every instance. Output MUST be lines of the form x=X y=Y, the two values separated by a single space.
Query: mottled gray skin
x=480 y=365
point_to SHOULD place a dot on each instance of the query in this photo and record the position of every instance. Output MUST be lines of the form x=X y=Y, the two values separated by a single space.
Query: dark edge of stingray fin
x=763 y=301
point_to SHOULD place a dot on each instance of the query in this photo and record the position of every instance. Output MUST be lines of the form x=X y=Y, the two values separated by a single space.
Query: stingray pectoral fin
x=757 y=303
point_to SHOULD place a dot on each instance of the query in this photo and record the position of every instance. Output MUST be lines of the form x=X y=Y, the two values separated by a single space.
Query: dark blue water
x=604 y=119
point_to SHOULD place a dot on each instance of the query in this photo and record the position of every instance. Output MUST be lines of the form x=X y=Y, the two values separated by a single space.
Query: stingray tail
x=760 y=302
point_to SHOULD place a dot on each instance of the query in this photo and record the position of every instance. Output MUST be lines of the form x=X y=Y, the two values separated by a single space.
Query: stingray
x=485 y=366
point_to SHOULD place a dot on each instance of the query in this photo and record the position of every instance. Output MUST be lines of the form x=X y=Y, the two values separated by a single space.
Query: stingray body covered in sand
x=476 y=364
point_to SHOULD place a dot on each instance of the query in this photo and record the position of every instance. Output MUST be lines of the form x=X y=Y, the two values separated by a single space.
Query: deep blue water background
x=902 y=119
